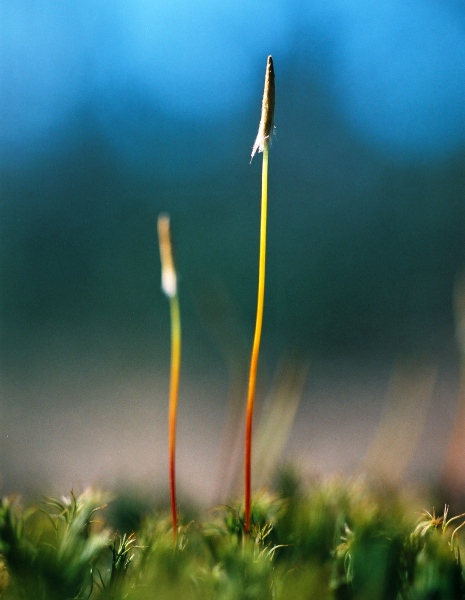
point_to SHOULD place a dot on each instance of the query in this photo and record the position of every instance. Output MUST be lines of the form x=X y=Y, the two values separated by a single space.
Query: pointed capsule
x=265 y=129
x=168 y=272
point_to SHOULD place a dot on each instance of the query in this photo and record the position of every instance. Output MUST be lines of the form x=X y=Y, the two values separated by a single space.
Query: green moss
x=335 y=540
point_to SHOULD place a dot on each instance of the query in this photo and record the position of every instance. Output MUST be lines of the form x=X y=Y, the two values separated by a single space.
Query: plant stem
x=170 y=288
x=173 y=402
x=256 y=340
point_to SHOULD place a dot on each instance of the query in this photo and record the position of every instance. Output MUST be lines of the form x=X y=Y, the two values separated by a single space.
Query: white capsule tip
x=168 y=271
x=169 y=282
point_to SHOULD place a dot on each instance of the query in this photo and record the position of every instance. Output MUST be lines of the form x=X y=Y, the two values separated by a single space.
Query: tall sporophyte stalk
x=170 y=288
x=261 y=144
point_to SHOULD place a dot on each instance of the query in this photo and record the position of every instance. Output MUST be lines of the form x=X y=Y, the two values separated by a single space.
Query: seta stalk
x=170 y=288
x=261 y=144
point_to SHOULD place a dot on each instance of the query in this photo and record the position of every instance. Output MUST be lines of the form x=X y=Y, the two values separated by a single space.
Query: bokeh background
x=112 y=112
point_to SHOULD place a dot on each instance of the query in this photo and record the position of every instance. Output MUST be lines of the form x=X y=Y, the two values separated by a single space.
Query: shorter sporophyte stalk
x=169 y=286
x=262 y=141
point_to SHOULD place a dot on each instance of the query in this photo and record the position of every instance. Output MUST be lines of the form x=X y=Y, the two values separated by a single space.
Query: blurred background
x=112 y=112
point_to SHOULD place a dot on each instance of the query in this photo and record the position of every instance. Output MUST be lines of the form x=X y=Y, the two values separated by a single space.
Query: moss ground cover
x=328 y=540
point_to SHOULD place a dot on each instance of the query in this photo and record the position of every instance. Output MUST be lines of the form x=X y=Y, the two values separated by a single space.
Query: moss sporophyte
x=169 y=286
x=262 y=142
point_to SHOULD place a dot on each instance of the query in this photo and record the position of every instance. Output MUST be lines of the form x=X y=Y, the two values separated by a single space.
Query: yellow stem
x=256 y=341
x=173 y=401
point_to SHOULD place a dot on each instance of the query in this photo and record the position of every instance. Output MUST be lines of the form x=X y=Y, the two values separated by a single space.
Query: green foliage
x=49 y=552
x=333 y=541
